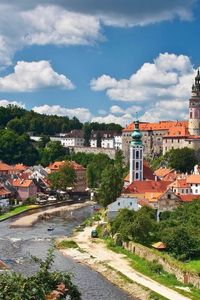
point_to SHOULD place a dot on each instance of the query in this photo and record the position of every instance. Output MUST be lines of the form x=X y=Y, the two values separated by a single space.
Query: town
x=99 y=150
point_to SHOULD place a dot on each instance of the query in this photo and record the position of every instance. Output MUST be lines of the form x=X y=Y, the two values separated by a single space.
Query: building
x=189 y=136
x=74 y=138
x=194 y=182
x=136 y=155
x=120 y=203
x=181 y=187
x=152 y=136
x=108 y=139
x=80 y=183
x=25 y=188
x=5 y=196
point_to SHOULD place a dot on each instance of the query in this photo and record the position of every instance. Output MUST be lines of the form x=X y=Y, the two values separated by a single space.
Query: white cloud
x=77 y=23
x=5 y=103
x=28 y=76
x=83 y=114
x=169 y=76
x=115 y=109
x=110 y=118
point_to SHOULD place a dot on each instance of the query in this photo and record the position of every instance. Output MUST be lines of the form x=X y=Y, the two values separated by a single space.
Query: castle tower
x=136 y=155
x=194 y=107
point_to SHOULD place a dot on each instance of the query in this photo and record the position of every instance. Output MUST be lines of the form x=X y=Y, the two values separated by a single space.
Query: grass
x=66 y=244
x=154 y=271
x=16 y=211
x=155 y=296
x=194 y=265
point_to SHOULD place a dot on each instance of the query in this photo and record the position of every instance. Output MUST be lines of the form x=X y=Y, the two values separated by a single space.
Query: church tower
x=136 y=155
x=194 y=107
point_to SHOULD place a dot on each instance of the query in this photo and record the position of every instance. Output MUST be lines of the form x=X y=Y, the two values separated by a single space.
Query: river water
x=17 y=245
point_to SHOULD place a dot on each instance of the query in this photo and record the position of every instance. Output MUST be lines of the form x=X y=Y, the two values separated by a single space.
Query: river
x=17 y=245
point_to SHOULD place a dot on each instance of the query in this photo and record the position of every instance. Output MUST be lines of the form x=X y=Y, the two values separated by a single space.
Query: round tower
x=136 y=155
x=194 y=107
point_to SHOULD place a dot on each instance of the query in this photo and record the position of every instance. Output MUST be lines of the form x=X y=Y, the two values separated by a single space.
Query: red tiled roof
x=161 y=172
x=147 y=172
x=180 y=183
x=162 y=125
x=193 y=179
x=21 y=183
x=4 y=191
x=189 y=198
x=177 y=131
x=4 y=166
x=58 y=164
x=171 y=176
x=140 y=187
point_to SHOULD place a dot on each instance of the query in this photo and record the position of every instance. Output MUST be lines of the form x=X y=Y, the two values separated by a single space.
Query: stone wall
x=109 y=152
x=170 y=265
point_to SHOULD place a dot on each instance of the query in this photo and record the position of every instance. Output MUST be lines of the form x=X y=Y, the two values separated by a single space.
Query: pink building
x=25 y=188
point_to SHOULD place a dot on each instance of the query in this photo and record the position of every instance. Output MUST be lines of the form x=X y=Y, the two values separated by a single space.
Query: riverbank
x=30 y=220
x=94 y=253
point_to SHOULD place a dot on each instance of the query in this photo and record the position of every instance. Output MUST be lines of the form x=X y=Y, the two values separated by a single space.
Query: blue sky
x=100 y=60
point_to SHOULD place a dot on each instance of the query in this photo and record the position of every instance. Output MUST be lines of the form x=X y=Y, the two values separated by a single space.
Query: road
x=97 y=249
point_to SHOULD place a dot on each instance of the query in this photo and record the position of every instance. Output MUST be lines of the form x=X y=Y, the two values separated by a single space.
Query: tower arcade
x=194 y=108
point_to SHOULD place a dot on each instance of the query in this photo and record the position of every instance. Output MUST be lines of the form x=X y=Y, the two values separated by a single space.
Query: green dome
x=136 y=135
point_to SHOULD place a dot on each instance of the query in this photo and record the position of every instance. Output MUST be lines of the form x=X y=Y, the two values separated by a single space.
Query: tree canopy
x=64 y=178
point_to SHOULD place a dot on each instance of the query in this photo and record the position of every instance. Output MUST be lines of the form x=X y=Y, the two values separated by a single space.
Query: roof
x=180 y=183
x=161 y=172
x=159 y=245
x=178 y=131
x=172 y=176
x=147 y=172
x=58 y=164
x=193 y=179
x=152 y=197
x=141 y=187
x=4 y=167
x=76 y=133
x=4 y=191
x=189 y=198
x=21 y=182
x=105 y=134
x=19 y=167
x=162 y=125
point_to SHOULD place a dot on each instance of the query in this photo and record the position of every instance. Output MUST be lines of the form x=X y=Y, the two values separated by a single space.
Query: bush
x=155 y=267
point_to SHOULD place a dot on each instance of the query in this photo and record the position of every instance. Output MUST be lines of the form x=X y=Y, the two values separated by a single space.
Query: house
x=5 y=196
x=74 y=138
x=38 y=172
x=139 y=188
x=80 y=183
x=120 y=203
x=194 y=182
x=165 y=201
x=181 y=187
x=25 y=188
x=162 y=172
x=109 y=139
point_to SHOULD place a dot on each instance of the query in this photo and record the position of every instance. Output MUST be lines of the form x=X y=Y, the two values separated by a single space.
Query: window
x=186 y=191
x=136 y=175
x=137 y=154
x=118 y=203
x=196 y=184
x=130 y=203
x=137 y=165
x=196 y=191
x=169 y=196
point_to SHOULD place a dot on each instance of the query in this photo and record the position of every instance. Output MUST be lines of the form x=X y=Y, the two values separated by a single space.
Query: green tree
x=87 y=134
x=64 y=178
x=43 y=141
x=182 y=160
x=16 y=125
x=52 y=152
x=111 y=185
x=16 y=286
x=98 y=139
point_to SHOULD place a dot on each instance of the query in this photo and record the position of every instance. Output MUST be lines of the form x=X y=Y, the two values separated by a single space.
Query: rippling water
x=16 y=246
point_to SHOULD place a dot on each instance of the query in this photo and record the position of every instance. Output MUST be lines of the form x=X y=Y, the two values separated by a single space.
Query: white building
x=194 y=182
x=120 y=203
x=73 y=139
x=109 y=139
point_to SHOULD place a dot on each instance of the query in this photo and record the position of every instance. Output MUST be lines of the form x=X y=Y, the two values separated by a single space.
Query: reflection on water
x=17 y=245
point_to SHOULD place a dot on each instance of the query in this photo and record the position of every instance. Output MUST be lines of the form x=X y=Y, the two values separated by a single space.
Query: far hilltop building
x=163 y=136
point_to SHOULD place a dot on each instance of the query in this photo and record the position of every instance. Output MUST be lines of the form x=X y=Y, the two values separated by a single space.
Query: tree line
x=178 y=229
x=21 y=120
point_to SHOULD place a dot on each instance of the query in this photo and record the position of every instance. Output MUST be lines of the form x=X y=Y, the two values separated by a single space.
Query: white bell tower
x=136 y=155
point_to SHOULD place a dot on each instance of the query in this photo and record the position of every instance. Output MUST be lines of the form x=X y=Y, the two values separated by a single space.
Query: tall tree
x=98 y=139
x=64 y=178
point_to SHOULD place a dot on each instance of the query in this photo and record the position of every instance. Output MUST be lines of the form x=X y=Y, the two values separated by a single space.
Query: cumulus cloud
x=162 y=87
x=83 y=114
x=169 y=76
x=111 y=118
x=29 y=76
x=77 y=22
x=5 y=103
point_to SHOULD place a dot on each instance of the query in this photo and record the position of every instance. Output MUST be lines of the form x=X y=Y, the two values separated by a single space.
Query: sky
x=100 y=60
